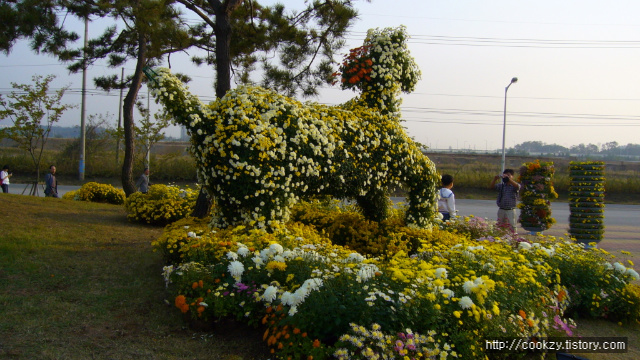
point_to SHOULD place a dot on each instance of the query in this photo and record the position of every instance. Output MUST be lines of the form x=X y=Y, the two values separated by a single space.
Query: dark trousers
x=5 y=188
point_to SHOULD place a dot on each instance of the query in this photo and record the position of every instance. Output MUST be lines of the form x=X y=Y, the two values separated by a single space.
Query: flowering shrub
x=318 y=299
x=258 y=152
x=174 y=238
x=95 y=192
x=162 y=205
x=536 y=194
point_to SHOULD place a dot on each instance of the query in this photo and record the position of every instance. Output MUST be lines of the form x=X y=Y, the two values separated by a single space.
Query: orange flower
x=201 y=283
x=296 y=331
x=184 y=308
x=200 y=310
x=309 y=357
x=522 y=314
x=180 y=300
x=316 y=343
x=304 y=334
x=272 y=340
x=561 y=295
x=194 y=285
x=266 y=333
x=280 y=346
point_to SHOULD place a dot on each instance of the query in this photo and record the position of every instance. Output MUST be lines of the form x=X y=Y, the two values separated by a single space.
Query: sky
x=576 y=64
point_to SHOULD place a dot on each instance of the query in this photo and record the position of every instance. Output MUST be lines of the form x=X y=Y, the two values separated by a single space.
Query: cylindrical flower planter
x=586 y=201
x=536 y=181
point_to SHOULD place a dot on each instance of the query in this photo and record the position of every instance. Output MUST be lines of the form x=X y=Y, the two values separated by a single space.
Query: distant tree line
x=611 y=150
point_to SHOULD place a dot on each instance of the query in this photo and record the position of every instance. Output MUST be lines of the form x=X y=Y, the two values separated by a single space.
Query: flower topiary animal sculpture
x=259 y=152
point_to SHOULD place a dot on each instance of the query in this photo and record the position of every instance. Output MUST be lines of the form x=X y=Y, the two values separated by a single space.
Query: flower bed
x=317 y=299
x=537 y=190
x=95 y=192
x=586 y=201
x=163 y=204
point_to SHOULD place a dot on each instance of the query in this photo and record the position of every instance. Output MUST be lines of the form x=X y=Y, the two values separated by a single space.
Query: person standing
x=4 y=179
x=51 y=189
x=507 y=197
x=446 y=200
x=142 y=184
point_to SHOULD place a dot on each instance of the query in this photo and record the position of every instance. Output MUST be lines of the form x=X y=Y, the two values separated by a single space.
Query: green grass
x=77 y=281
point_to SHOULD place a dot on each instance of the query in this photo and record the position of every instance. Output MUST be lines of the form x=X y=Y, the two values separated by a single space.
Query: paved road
x=622 y=221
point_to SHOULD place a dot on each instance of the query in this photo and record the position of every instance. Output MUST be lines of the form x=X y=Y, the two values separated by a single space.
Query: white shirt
x=446 y=201
x=4 y=176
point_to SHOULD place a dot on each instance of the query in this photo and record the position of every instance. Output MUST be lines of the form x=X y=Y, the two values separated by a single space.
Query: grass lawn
x=78 y=281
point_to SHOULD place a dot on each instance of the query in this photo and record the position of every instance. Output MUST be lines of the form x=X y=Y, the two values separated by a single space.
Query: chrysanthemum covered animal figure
x=258 y=152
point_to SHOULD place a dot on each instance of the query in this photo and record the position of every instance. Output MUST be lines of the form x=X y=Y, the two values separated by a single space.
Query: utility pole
x=84 y=100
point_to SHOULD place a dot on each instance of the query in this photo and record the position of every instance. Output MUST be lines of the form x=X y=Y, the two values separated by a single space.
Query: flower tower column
x=536 y=194
x=586 y=201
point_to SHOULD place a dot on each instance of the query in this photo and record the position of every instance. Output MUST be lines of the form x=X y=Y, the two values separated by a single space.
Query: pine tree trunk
x=128 y=123
x=223 y=76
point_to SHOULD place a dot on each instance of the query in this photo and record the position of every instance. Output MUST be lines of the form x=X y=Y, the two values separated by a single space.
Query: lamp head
x=514 y=80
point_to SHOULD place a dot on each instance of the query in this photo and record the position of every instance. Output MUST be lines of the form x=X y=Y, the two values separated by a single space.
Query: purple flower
x=399 y=346
x=562 y=325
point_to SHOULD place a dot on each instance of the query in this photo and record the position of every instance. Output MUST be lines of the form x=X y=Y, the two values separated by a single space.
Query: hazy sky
x=576 y=64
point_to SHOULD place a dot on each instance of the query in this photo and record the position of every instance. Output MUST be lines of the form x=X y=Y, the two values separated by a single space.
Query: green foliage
x=95 y=192
x=161 y=205
x=32 y=112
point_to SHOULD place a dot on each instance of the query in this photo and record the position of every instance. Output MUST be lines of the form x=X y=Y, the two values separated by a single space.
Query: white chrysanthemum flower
x=441 y=273
x=203 y=304
x=191 y=234
x=619 y=267
x=367 y=272
x=293 y=310
x=355 y=257
x=276 y=248
x=633 y=274
x=270 y=294
x=448 y=293
x=236 y=268
x=468 y=286
x=232 y=256
x=465 y=302
x=243 y=251
x=524 y=245
x=286 y=298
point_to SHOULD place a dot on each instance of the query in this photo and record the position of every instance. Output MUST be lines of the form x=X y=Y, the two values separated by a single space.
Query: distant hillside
x=63 y=132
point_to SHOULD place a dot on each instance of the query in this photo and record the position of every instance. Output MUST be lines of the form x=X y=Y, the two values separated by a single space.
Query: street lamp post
x=504 y=124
